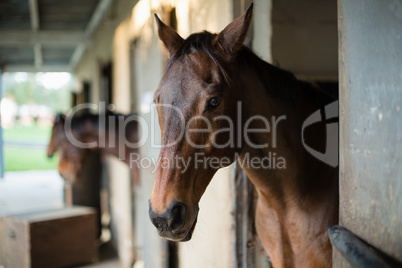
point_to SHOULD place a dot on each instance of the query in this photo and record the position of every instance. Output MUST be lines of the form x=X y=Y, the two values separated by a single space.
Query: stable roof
x=47 y=35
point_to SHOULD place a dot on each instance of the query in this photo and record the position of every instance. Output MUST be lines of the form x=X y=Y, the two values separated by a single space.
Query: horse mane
x=280 y=83
x=82 y=123
x=79 y=121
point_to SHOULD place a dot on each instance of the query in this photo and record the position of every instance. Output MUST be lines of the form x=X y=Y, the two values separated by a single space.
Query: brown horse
x=117 y=136
x=208 y=79
x=70 y=157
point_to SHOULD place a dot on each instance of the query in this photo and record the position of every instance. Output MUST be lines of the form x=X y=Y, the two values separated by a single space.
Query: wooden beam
x=33 y=69
x=77 y=55
x=38 y=56
x=33 y=9
x=98 y=15
x=2 y=167
x=51 y=38
x=39 y=38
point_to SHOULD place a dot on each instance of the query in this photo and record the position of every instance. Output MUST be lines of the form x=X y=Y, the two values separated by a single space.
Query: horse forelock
x=203 y=41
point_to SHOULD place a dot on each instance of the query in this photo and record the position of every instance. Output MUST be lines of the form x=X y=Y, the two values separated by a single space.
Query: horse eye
x=213 y=103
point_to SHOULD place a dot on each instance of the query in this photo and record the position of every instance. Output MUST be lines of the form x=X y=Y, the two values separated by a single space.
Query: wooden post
x=2 y=167
x=249 y=252
x=85 y=191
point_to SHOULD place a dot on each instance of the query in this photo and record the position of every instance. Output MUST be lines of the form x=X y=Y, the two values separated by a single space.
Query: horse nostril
x=171 y=220
x=160 y=224
x=177 y=216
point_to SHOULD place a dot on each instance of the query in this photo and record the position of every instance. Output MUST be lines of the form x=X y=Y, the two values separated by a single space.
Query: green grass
x=19 y=158
x=34 y=134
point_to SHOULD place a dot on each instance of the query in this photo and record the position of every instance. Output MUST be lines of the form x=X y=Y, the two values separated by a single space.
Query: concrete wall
x=262 y=29
x=370 y=124
x=120 y=196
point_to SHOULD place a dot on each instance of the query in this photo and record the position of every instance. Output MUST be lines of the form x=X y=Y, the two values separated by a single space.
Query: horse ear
x=60 y=118
x=232 y=37
x=169 y=37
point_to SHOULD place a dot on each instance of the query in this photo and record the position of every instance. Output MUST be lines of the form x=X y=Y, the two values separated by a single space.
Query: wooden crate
x=53 y=238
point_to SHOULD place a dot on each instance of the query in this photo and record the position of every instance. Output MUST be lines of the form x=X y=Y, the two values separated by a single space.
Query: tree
x=27 y=88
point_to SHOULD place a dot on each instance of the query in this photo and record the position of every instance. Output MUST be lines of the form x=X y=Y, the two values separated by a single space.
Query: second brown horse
x=116 y=136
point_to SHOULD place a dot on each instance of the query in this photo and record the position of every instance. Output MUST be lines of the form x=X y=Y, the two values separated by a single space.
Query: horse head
x=57 y=135
x=196 y=103
x=70 y=156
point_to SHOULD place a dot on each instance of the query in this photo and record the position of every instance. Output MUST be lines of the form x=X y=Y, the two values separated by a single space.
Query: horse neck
x=294 y=181
x=118 y=139
x=86 y=130
x=108 y=135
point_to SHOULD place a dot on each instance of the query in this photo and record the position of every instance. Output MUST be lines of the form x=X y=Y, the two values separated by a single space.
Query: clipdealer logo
x=331 y=154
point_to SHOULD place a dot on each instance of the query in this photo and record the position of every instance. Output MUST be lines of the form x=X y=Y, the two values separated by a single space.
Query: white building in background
x=33 y=113
x=9 y=111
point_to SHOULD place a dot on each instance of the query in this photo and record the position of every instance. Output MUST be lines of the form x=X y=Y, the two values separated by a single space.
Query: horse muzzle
x=172 y=224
